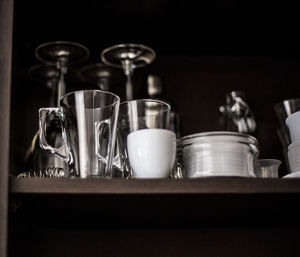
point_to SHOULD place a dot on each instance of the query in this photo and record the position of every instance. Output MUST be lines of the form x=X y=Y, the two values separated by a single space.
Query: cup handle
x=44 y=113
x=120 y=163
x=99 y=128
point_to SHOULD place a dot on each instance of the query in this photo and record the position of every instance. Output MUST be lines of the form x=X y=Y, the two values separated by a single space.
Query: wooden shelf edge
x=153 y=186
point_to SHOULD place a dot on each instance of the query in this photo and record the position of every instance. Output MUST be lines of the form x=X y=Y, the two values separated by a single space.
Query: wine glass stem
x=103 y=83
x=61 y=86
x=128 y=70
x=129 y=89
x=53 y=87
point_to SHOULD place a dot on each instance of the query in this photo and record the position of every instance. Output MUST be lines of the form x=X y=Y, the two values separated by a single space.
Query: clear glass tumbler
x=149 y=146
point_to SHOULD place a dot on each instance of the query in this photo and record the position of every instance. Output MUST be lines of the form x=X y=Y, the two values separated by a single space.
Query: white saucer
x=293 y=175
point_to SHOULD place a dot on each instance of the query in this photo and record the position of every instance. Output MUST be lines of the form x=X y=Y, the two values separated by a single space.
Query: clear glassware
x=62 y=54
x=268 y=168
x=88 y=121
x=56 y=56
x=47 y=75
x=147 y=145
x=39 y=162
x=155 y=90
x=128 y=57
x=219 y=153
x=100 y=74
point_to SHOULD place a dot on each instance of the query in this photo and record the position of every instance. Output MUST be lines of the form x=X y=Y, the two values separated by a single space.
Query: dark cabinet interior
x=204 y=50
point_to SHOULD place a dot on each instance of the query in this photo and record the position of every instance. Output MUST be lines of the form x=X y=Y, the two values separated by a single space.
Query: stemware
x=100 y=74
x=62 y=54
x=47 y=75
x=128 y=57
x=56 y=57
x=39 y=162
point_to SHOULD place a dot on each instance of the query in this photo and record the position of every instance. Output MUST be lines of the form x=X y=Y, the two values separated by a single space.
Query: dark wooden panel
x=145 y=224
x=222 y=200
x=214 y=217
x=6 y=25
x=170 y=242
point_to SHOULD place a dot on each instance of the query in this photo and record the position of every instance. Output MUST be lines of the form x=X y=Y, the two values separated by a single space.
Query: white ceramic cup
x=294 y=156
x=293 y=123
x=151 y=152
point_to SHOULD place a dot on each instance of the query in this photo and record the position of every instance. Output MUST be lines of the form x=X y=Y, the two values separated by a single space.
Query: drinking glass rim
x=278 y=104
x=116 y=100
x=168 y=106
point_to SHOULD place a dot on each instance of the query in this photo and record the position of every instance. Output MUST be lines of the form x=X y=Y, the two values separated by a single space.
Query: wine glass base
x=61 y=51
x=138 y=55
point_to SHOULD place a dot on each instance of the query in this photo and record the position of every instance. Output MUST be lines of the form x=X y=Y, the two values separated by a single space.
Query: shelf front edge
x=153 y=186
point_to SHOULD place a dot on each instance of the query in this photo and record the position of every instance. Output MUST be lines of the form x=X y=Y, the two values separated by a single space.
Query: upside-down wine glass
x=100 y=74
x=47 y=75
x=128 y=57
x=56 y=56
x=62 y=54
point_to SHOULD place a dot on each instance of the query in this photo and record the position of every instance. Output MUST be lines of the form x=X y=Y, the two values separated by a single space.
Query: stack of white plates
x=293 y=122
x=294 y=156
x=219 y=154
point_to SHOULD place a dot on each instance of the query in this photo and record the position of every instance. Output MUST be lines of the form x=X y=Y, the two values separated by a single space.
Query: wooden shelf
x=155 y=201
x=154 y=186
x=248 y=210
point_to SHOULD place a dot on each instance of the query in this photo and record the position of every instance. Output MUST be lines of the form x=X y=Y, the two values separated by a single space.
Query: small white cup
x=295 y=174
x=293 y=123
x=151 y=152
x=294 y=156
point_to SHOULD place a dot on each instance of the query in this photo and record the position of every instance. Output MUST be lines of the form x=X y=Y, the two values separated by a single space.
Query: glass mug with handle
x=88 y=122
x=148 y=145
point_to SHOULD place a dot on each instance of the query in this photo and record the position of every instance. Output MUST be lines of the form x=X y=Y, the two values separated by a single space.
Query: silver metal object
x=238 y=114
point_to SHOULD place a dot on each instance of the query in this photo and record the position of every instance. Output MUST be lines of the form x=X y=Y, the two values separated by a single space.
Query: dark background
x=204 y=49
x=170 y=26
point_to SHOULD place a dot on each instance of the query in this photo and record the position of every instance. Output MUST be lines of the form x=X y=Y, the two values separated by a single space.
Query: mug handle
x=44 y=113
x=99 y=127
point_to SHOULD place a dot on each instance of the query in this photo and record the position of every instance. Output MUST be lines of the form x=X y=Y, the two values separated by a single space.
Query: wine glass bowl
x=44 y=74
x=90 y=73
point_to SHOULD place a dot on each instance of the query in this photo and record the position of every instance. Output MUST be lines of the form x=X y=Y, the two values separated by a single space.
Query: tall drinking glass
x=88 y=122
x=283 y=110
x=149 y=145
